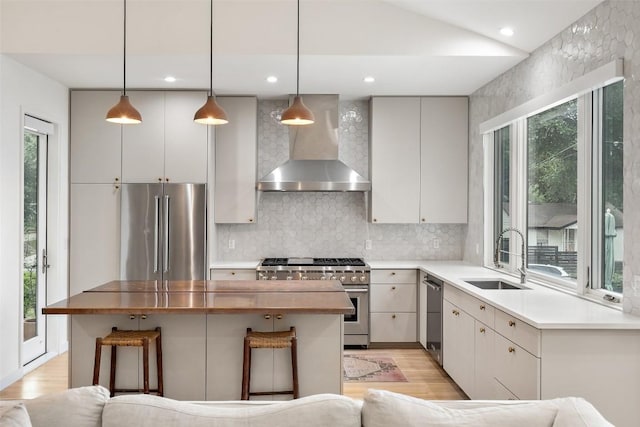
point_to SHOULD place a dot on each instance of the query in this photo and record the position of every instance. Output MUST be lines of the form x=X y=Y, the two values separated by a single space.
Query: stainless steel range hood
x=313 y=163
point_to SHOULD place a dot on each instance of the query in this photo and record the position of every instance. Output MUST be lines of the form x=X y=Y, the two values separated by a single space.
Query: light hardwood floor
x=426 y=379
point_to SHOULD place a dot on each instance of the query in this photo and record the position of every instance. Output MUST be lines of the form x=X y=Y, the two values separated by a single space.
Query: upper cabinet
x=236 y=160
x=167 y=146
x=395 y=160
x=95 y=143
x=444 y=159
x=419 y=160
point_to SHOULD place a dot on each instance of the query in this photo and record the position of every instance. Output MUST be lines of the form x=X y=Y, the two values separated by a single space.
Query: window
x=557 y=175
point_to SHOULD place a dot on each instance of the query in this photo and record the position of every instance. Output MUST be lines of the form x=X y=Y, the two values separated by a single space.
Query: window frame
x=589 y=197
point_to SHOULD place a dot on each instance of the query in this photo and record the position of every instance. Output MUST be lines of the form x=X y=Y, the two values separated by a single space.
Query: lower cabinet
x=393 y=305
x=458 y=346
x=232 y=274
x=484 y=363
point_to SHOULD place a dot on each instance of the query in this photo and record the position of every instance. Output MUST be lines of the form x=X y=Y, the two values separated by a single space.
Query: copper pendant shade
x=211 y=113
x=298 y=113
x=123 y=112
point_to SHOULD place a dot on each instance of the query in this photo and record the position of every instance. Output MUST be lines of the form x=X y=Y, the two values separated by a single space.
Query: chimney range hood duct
x=313 y=163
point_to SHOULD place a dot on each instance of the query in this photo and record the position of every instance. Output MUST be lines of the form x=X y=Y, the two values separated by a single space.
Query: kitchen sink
x=496 y=284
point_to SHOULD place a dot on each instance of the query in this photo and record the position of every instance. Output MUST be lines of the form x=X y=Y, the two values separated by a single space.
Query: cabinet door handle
x=482 y=307
x=393 y=316
x=143 y=317
x=455 y=312
x=512 y=323
x=482 y=330
x=512 y=350
x=267 y=316
x=393 y=273
x=393 y=288
x=250 y=219
x=279 y=316
x=233 y=273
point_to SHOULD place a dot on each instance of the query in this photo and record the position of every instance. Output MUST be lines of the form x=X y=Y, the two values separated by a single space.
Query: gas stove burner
x=321 y=262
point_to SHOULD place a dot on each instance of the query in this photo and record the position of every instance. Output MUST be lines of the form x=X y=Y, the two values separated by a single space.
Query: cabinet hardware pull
x=512 y=323
x=393 y=288
x=159 y=179
x=250 y=219
x=167 y=179
x=375 y=220
x=267 y=316
x=482 y=307
x=482 y=330
x=279 y=316
x=456 y=312
x=393 y=273
x=423 y=220
x=393 y=316
x=132 y=316
x=233 y=273
x=512 y=350
x=143 y=317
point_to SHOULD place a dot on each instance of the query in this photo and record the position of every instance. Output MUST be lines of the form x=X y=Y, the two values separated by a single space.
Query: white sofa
x=92 y=407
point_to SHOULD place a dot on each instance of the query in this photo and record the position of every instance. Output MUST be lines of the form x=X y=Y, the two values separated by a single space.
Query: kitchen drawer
x=393 y=327
x=501 y=392
x=235 y=274
x=394 y=276
x=517 y=369
x=387 y=298
x=479 y=310
x=516 y=330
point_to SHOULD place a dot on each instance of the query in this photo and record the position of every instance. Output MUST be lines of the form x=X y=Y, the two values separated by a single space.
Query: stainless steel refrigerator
x=163 y=230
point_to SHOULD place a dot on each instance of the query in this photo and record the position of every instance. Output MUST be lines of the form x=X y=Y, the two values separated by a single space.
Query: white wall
x=26 y=91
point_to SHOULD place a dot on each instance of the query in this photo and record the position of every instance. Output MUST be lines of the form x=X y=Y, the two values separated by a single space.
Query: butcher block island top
x=208 y=296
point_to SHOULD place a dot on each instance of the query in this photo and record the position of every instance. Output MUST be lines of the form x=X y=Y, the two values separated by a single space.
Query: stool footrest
x=268 y=393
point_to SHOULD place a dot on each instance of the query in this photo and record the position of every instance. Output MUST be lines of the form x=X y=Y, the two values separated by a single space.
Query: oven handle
x=357 y=290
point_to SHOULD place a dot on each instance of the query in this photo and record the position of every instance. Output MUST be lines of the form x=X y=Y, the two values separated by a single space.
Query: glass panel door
x=35 y=266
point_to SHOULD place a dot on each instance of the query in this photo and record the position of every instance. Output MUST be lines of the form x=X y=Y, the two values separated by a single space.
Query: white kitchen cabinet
x=395 y=160
x=320 y=346
x=167 y=146
x=95 y=143
x=419 y=150
x=443 y=159
x=458 y=352
x=94 y=235
x=422 y=310
x=484 y=377
x=518 y=370
x=186 y=142
x=236 y=162
x=232 y=274
x=393 y=305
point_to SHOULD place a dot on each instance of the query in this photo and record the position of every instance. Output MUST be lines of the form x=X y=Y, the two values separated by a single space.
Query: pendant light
x=297 y=113
x=211 y=113
x=123 y=112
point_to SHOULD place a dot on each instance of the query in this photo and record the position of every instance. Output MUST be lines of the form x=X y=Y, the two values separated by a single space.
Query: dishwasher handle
x=433 y=286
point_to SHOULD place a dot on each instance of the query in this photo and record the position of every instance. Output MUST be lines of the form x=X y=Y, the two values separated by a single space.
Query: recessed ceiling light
x=272 y=79
x=506 y=31
x=170 y=79
x=369 y=79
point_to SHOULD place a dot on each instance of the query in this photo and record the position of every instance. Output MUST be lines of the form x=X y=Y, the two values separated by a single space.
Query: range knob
x=274 y=277
x=354 y=278
x=303 y=278
x=343 y=278
x=363 y=278
x=333 y=277
x=323 y=278
x=289 y=277
x=263 y=276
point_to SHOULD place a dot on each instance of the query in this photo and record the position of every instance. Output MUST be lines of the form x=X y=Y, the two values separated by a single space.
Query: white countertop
x=540 y=306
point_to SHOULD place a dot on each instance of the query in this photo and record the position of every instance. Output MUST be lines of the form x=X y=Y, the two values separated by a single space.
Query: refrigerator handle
x=166 y=233
x=156 y=232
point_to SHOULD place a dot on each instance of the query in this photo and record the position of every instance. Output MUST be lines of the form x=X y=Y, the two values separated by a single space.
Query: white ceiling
x=423 y=47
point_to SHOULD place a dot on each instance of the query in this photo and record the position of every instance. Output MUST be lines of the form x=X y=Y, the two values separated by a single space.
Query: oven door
x=356 y=325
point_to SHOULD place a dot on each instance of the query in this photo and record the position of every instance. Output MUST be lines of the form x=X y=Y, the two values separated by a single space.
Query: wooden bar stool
x=130 y=339
x=280 y=339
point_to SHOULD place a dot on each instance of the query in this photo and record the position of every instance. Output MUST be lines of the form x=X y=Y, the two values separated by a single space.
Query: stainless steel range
x=353 y=273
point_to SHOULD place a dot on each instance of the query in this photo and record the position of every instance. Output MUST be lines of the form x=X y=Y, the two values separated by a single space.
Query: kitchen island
x=203 y=327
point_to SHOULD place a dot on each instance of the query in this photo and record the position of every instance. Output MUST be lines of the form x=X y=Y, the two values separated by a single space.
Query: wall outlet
x=436 y=243
x=232 y=244
x=367 y=244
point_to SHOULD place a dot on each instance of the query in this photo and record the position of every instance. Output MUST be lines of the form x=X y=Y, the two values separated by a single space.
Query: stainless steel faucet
x=496 y=256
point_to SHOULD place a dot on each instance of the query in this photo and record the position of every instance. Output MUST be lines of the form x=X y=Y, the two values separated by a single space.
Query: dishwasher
x=434 y=317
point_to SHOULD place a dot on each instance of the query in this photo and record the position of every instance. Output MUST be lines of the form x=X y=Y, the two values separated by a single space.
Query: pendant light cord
x=124 y=69
x=211 y=50
x=298 y=53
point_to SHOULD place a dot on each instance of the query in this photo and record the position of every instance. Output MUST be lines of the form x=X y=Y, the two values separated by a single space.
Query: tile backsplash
x=327 y=224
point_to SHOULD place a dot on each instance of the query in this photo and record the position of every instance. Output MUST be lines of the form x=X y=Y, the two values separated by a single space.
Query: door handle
x=44 y=261
x=156 y=233
x=167 y=218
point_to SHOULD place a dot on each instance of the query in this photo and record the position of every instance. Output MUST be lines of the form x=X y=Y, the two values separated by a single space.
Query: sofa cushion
x=146 y=410
x=76 y=407
x=388 y=409
x=577 y=412
x=14 y=416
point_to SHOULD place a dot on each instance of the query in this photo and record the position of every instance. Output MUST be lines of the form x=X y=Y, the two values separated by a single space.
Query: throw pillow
x=388 y=409
x=320 y=410
x=76 y=407
x=14 y=416
x=577 y=412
